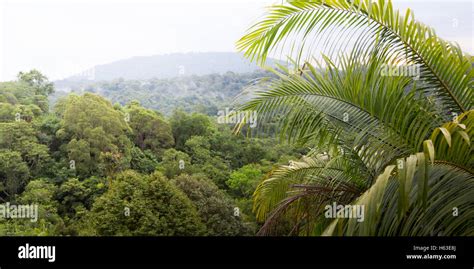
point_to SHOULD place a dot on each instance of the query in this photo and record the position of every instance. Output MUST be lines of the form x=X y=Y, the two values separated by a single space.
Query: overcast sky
x=64 y=37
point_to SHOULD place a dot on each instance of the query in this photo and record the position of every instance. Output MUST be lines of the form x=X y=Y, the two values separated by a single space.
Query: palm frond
x=343 y=99
x=395 y=204
x=374 y=116
x=337 y=177
x=365 y=25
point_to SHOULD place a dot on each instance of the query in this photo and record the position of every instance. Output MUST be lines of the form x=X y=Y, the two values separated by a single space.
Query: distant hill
x=163 y=66
x=205 y=94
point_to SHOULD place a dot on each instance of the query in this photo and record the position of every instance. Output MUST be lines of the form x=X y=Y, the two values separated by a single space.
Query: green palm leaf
x=344 y=99
x=444 y=68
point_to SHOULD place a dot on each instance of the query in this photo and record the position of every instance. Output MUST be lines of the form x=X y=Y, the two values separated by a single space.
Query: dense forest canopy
x=98 y=168
x=341 y=141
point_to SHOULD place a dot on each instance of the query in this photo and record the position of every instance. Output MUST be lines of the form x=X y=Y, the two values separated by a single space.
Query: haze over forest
x=166 y=118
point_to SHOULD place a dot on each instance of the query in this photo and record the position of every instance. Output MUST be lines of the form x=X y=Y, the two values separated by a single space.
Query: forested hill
x=78 y=161
x=205 y=94
x=164 y=66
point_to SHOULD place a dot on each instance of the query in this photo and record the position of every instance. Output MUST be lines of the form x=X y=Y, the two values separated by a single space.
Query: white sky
x=64 y=37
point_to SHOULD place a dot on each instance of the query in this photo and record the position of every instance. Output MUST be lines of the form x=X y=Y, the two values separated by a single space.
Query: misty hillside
x=162 y=66
x=206 y=94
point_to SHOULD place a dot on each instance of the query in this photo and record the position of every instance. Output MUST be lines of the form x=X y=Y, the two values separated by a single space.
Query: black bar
x=241 y=250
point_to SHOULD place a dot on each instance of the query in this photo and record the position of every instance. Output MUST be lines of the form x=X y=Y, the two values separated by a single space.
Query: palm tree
x=398 y=145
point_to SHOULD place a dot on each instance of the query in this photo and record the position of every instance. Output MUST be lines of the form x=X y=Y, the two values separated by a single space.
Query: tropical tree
x=395 y=142
x=216 y=209
x=38 y=81
x=185 y=126
x=141 y=205
x=149 y=130
x=95 y=135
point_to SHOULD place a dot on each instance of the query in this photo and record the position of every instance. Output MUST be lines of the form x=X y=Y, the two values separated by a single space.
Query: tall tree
x=185 y=126
x=141 y=205
x=38 y=81
x=216 y=209
x=149 y=129
x=96 y=135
